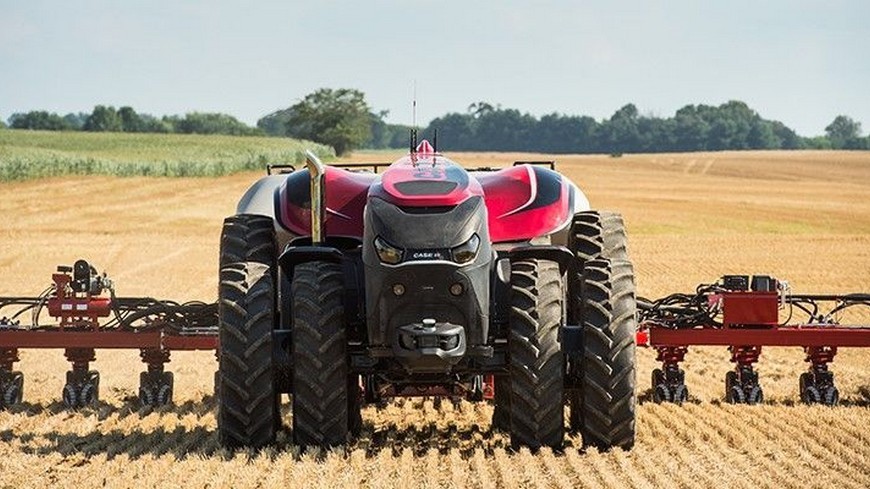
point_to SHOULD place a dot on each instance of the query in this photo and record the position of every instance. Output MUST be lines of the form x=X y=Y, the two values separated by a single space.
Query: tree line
x=105 y=118
x=729 y=126
x=344 y=120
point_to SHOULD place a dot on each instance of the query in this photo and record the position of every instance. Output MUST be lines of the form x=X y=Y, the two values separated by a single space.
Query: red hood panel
x=345 y=199
x=525 y=202
x=522 y=202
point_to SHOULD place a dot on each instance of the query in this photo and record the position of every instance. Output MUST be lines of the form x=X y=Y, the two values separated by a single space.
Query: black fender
x=559 y=254
x=294 y=255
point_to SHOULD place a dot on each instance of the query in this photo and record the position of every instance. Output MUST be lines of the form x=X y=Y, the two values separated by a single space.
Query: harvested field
x=801 y=216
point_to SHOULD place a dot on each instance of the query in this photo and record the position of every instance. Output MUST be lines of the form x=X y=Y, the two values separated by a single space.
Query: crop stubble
x=801 y=216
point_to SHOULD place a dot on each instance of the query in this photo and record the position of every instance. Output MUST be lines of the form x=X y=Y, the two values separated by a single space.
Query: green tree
x=340 y=118
x=556 y=133
x=130 y=120
x=843 y=132
x=787 y=137
x=153 y=124
x=762 y=136
x=103 y=119
x=691 y=131
x=275 y=124
x=455 y=131
x=380 y=133
x=76 y=120
x=620 y=133
x=213 y=123
x=38 y=120
x=508 y=129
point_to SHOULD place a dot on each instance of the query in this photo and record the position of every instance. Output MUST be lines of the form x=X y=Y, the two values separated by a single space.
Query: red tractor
x=341 y=286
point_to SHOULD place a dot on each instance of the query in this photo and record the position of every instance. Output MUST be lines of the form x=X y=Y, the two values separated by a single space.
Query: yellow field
x=801 y=216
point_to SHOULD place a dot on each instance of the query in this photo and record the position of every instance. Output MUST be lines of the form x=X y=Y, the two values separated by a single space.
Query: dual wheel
x=326 y=400
x=11 y=388
x=669 y=387
x=155 y=388
x=818 y=391
x=600 y=298
x=743 y=391
x=82 y=389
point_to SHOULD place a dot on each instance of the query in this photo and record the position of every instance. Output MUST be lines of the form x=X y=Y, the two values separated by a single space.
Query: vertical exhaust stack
x=317 y=172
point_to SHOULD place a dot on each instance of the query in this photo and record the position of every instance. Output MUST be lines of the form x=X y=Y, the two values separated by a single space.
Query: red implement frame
x=78 y=303
x=749 y=322
x=109 y=339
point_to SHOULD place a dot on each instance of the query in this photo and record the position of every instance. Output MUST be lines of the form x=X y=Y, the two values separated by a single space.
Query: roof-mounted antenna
x=414 y=107
x=414 y=119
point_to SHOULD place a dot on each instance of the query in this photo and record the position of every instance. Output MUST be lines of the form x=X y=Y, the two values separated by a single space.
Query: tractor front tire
x=606 y=397
x=535 y=359
x=247 y=411
x=321 y=380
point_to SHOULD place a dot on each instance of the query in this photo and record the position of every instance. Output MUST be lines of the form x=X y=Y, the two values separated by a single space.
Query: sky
x=800 y=62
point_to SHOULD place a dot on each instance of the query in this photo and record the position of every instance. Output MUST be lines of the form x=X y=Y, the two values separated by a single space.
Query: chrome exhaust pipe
x=317 y=172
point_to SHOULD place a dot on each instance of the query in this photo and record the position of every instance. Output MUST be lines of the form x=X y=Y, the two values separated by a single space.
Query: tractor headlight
x=467 y=251
x=387 y=253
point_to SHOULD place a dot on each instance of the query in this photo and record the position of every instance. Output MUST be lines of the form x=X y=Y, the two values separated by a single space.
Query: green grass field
x=35 y=154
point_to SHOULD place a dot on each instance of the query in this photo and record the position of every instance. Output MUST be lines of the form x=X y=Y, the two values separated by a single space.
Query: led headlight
x=467 y=251
x=388 y=253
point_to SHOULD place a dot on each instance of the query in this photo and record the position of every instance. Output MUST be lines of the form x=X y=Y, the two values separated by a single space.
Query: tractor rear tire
x=321 y=402
x=249 y=238
x=598 y=234
x=607 y=395
x=535 y=358
x=247 y=408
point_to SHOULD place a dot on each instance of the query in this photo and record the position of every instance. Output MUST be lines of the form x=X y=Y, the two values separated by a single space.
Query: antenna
x=414 y=107
x=435 y=140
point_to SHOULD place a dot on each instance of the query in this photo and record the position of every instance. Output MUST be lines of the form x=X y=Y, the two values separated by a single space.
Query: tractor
x=343 y=286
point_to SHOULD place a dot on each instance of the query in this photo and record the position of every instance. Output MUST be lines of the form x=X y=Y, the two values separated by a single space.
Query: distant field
x=801 y=216
x=34 y=154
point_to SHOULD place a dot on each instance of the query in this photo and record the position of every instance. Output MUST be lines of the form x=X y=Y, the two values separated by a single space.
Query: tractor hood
x=522 y=202
x=426 y=179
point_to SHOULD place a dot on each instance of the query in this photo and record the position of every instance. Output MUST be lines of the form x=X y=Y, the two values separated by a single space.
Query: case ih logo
x=428 y=255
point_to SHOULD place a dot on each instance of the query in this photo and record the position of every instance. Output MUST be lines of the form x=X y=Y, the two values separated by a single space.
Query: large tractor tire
x=321 y=377
x=535 y=359
x=604 y=405
x=249 y=238
x=598 y=234
x=248 y=412
x=248 y=404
